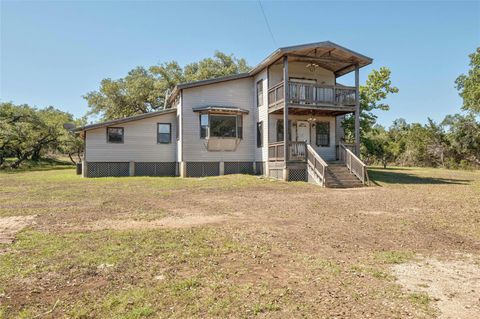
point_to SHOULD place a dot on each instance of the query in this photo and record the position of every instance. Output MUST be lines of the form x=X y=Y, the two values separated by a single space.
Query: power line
x=268 y=24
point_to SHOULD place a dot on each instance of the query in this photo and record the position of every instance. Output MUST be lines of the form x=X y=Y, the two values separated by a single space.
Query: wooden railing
x=275 y=94
x=276 y=152
x=297 y=151
x=312 y=94
x=354 y=164
x=339 y=151
x=316 y=165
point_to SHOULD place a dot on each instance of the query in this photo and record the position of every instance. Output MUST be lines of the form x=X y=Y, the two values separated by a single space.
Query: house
x=236 y=124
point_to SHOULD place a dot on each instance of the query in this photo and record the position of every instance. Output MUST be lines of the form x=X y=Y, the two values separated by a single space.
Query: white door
x=303 y=131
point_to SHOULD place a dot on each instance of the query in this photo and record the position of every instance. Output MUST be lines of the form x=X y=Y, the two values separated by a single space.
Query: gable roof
x=340 y=61
x=123 y=120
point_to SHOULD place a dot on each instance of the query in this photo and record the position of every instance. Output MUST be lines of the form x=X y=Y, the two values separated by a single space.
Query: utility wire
x=268 y=24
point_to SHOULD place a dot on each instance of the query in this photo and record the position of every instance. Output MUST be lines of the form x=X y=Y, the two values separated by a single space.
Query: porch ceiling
x=327 y=55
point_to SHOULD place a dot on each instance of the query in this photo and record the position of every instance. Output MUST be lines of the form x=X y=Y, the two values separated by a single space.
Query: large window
x=215 y=125
x=260 y=93
x=323 y=134
x=259 y=134
x=115 y=134
x=164 y=133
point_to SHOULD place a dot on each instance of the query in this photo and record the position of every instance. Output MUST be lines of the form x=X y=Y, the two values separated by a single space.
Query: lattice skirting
x=238 y=168
x=275 y=173
x=104 y=169
x=297 y=174
x=200 y=169
x=156 y=169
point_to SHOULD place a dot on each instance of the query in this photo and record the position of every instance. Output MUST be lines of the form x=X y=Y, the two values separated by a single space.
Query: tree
x=464 y=137
x=377 y=146
x=145 y=90
x=469 y=85
x=372 y=95
x=27 y=133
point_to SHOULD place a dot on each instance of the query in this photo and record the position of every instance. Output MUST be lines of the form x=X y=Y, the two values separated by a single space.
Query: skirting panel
x=238 y=168
x=297 y=174
x=105 y=169
x=275 y=173
x=156 y=169
x=200 y=169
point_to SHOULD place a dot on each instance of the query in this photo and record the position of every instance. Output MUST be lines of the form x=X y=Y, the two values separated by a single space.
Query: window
x=280 y=130
x=203 y=125
x=259 y=134
x=260 y=93
x=115 y=134
x=164 y=133
x=323 y=134
x=223 y=126
x=214 y=125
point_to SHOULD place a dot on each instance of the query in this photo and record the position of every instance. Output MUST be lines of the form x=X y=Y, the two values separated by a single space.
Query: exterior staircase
x=337 y=175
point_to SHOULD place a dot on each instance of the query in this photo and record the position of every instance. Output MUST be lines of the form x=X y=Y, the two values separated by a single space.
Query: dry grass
x=251 y=247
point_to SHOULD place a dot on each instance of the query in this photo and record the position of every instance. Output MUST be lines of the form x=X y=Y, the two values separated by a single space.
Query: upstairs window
x=115 y=135
x=216 y=125
x=260 y=93
x=323 y=134
x=164 y=133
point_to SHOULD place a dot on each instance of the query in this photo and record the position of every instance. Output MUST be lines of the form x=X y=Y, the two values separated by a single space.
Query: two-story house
x=239 y=124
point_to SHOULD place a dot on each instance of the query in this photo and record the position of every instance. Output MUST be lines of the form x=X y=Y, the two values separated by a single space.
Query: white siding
x=261 y=154
x=327 y=153
x=140 y=142
x=234 y=93
x=340 y=132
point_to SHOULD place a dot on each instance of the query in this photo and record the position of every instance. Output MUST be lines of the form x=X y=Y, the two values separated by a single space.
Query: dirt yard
x=239 y=247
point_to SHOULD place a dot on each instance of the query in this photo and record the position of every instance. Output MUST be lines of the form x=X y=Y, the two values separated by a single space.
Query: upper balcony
x=336 y=98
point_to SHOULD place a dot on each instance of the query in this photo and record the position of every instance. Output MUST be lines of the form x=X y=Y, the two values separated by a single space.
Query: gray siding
x=261 y=154
x=235 y=93
x=140 y=142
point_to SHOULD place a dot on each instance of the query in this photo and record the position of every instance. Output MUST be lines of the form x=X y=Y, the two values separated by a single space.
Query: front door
x=303 y=131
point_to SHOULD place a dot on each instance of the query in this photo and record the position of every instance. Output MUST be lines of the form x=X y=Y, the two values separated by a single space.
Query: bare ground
x=242 y=246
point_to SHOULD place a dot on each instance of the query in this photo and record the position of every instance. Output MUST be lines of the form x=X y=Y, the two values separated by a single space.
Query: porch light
x=312 y=67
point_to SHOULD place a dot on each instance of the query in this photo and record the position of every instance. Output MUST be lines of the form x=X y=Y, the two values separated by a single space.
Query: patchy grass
x=279 y=249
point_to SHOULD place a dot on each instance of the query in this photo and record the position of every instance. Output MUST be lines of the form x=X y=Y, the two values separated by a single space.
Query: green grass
x=394 y=257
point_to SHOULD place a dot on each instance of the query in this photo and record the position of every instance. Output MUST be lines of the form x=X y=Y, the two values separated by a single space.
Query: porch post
x=357 y=111
x=285 y=117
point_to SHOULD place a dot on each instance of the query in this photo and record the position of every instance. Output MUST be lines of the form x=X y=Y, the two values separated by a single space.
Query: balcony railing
x=314 y=95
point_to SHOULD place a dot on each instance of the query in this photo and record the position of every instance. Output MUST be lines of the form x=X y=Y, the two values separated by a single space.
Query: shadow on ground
x=402 y=176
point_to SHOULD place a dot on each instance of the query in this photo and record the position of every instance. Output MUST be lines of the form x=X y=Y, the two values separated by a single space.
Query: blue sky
x=54 y=52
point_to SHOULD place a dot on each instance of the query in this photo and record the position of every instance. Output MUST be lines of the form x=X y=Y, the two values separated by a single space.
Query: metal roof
x=220 y=109
x=123 y=120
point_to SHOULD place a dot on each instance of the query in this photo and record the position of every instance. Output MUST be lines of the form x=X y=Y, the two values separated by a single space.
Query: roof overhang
x=123 y=120
x=326 y=54
x=220 y=109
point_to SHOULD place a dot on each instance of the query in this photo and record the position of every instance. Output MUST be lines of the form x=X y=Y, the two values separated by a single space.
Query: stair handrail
x=317 y=164
x=355 y=165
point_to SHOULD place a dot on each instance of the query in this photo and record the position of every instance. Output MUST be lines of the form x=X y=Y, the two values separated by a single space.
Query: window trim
x=328 y=133
x=169 y=134
x=115 y=127
x=258 y=92
x=238 y=125
x=260 y=134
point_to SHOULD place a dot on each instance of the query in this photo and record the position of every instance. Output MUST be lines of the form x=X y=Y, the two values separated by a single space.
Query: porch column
x=285 y=117
x=357 y=111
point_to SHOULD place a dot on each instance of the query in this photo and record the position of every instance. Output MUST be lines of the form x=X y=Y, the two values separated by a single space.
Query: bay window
x=222 y=126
